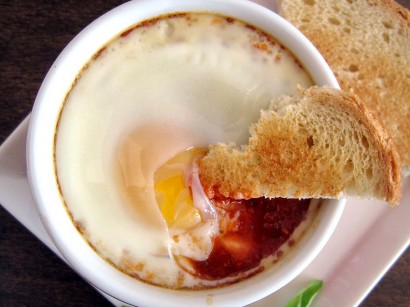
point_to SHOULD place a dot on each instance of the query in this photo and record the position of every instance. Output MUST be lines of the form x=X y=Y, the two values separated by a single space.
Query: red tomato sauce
x=250 y=230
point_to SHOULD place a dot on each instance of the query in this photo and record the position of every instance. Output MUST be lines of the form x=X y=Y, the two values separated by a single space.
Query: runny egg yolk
x=176 y=204
x=191 y=219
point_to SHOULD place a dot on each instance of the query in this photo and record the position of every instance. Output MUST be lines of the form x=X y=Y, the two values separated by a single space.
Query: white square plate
x=368 y=240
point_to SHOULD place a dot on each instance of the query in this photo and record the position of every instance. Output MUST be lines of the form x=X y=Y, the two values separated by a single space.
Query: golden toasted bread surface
x=367 y=45
x=322 y=143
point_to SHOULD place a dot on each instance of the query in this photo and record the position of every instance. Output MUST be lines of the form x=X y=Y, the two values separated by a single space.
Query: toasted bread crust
x=367 y=45
x=304 y=147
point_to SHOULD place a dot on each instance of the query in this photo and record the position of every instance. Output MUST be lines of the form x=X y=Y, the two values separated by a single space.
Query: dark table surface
x=32 y=34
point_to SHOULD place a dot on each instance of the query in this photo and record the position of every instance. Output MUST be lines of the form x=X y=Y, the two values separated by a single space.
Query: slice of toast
x=367 y=45
x=323 y=143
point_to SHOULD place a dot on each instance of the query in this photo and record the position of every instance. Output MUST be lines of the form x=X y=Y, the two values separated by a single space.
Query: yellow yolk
x=175 y=202
x=173 y=196
x=191 y=219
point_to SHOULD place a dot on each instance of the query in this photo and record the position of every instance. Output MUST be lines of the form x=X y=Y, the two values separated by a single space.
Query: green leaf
x=305 y=297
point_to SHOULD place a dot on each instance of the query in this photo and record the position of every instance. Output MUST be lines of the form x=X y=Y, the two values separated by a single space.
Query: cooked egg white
x=149 y=95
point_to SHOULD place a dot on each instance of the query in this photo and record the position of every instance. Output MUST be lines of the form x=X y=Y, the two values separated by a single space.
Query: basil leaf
x=305 y=297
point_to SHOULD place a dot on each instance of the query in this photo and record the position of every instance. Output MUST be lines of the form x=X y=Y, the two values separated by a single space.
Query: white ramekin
x=44 y=187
